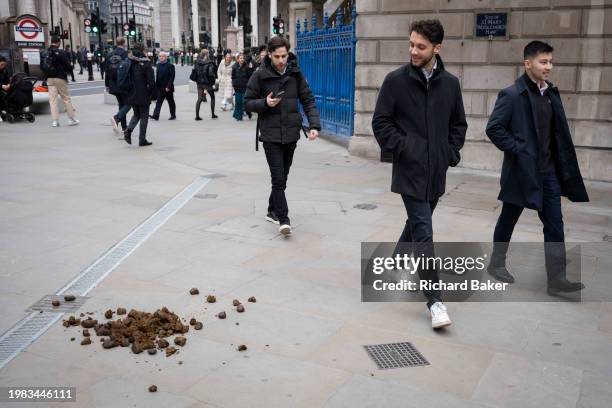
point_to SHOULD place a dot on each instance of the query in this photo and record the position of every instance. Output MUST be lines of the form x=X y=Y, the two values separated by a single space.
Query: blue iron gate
x=327 y=59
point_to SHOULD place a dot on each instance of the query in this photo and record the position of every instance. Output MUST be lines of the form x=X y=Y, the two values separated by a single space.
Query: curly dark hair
x=278 y=42
x=430 y=29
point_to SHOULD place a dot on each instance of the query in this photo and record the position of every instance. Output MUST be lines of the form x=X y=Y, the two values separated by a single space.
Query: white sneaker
x=55 y=123
x=439 y=316
x=285 y=229
x=73 y=122
x=115 y=126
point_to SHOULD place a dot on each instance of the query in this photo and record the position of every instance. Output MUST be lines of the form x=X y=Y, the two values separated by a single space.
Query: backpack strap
x=257 y=135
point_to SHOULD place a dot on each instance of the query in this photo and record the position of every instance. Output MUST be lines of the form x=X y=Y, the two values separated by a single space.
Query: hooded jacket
x=144 y=80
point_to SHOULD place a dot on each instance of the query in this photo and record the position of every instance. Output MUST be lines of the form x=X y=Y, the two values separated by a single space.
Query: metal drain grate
x=45 y=305
x=24 y=333
x=31 y=327
x=396 y=355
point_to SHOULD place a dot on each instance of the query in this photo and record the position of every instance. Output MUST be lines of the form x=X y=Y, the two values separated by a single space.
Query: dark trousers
x=165 y=95
x=279 y=157
x=552 y=220
x=239 y=106
x=141 y=114
x=72 y=72
x=124 y=108
x=419 y=231
x=202 y=98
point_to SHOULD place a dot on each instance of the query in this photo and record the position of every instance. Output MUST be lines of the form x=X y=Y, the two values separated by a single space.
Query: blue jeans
x=124 y=108
x=419 y=230
x=552 y=220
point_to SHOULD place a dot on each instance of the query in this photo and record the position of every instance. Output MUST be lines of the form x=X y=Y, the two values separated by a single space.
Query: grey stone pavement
x=69 y=194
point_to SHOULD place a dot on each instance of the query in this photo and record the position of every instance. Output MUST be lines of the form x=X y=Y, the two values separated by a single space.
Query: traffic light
x=281 y=26
x=87 y=25
x=95 y=23
x=278 y=26
x=65 y=35
x=103 y=29
x=132 y=28
x=275 y=25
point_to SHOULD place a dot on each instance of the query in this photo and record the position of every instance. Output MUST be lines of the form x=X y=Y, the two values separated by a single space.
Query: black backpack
x=49 y=62
x=113 y=66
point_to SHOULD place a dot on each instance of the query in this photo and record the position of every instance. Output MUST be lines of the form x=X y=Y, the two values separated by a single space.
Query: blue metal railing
x=327 y=59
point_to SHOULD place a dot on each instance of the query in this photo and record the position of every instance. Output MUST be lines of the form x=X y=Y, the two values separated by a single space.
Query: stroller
x=13 y=104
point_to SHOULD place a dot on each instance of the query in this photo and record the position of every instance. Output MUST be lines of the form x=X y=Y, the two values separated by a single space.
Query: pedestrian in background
x=224 y=73
x=72 y=58
x=241 y=72
x=118 y=55
x=204 y=75
x=164 y=80
x=55 y=64
x=142 y=93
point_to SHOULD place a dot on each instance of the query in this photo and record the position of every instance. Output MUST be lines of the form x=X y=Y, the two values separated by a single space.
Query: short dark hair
x=262 y=48
x=55 y=39
x=277 y=42
x=120 y=41
x=138 y=47
x=3 y=58
x=536 y=47
x=430 y=29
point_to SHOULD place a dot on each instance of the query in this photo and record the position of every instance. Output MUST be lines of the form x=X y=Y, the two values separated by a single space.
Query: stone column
x=214 y=23
x=255 y=32
x=273 y=13
x=176 y=34
x=236 y=19
x=26 y=7
x=195 y=23
x=156 y=22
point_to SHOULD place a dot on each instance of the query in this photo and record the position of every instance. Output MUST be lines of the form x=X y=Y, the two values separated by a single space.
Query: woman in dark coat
x=240 y=78
x=141 y=94
x=205 y=75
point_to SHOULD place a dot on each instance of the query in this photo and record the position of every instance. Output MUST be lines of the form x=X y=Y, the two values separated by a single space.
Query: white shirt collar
x=428 y=75
x=542 y=88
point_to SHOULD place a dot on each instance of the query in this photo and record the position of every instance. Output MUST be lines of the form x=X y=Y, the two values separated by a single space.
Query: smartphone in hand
x=279 y=95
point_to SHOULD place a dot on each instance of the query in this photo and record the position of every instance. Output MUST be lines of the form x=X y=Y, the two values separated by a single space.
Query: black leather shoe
x=172 y=118
x=214 y=116
x=127 y=136
x=500 y=273
x=145 y=143
x=198 y=118
x=154 y=117
x=563 y=285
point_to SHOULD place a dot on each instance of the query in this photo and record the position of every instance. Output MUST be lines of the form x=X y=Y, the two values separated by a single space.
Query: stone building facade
x=173 y=18
x=579 y=30
x=71 y=12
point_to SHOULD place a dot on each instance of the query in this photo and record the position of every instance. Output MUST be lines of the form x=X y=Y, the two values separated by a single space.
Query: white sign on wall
x=29 y=32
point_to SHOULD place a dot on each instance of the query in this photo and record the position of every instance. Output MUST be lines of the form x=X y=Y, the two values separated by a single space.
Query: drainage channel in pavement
x=27 y=330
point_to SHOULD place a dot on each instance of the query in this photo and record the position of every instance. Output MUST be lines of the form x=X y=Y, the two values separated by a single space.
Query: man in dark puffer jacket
x=141 y=94
x=273 y=92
